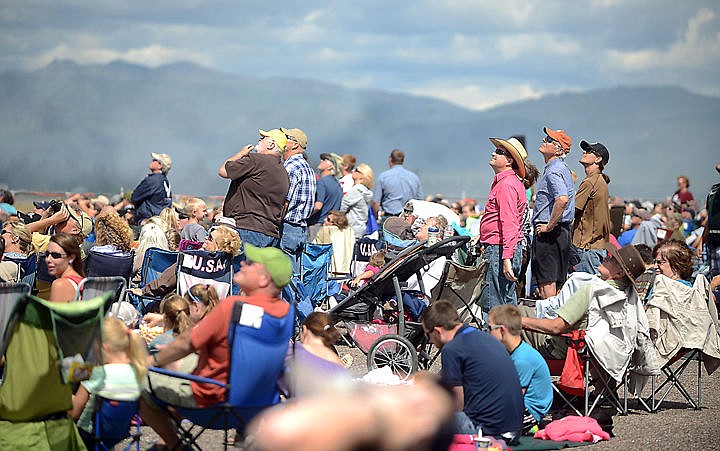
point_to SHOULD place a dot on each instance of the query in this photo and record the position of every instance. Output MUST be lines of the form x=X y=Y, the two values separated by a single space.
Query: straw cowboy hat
x=517 y=151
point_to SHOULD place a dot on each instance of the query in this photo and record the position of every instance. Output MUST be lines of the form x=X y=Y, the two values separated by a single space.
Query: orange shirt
x=210 y=340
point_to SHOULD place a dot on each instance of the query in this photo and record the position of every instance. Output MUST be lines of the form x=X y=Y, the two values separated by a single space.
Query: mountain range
x=70 y=127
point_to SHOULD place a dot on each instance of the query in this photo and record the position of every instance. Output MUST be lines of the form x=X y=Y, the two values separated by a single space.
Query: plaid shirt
x=301 y=196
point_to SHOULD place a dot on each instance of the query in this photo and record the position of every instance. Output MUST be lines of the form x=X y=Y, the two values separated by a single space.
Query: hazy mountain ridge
x=70 y=127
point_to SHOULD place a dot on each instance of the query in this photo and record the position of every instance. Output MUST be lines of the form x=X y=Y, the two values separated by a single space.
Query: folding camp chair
x=155 y=261
x=48 y=347
x=28 y=268
x=92 y=287
x=112 y=424
x=462 y=286
x=98 y=264
x=257 y=344
x=605 y=390
x=315 y=272
x=685 y=321
x=10 y=294
x=364 y=249
x=201 y=266
x=673 y=370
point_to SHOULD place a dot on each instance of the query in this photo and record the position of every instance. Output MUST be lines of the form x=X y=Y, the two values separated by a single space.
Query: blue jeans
x=463 y=424
x=257 y=239
x=292 y=242
x=586 y=260
x=498 y=290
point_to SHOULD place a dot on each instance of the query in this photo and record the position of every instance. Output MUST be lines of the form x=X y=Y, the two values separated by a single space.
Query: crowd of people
x=534 y=222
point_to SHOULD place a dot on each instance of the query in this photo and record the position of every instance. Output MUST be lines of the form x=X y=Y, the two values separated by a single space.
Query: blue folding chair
x=28 y=268
x=257 y=344
x=112 y=424
x=155 y=261
x=315 y=270
x=98 y=264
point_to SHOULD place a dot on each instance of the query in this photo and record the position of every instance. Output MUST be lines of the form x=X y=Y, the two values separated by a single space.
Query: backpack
x=712 y=204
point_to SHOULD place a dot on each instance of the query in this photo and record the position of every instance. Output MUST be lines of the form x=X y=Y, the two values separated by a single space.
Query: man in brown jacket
x=591 y=227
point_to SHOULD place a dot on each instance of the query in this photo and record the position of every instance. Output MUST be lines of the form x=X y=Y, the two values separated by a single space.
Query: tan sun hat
x=516 y=149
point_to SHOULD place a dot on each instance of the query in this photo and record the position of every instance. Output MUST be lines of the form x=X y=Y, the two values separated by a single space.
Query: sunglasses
x=549 y=140
x=6 y=231
x=501 y=152
x=56 y=255
x=495 y=326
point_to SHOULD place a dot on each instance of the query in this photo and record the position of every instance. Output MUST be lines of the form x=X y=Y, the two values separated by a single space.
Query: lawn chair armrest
x=186 y=376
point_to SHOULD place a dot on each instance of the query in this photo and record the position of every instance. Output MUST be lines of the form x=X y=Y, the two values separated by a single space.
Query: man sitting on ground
x=479 y=371
x=505 y=324
x=261 y=277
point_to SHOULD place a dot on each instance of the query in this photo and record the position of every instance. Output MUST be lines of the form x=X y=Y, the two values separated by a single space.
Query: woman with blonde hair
x=118 y=379
x=356 y=202
x=151 y=235
x=112 y=234
x=222 y=239
x=18 y=239
x=16 y=244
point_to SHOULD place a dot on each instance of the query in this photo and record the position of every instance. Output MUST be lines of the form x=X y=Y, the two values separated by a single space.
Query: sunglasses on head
x=56 y=255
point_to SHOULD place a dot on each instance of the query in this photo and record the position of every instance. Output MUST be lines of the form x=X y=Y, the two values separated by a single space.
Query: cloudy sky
x=474 y=53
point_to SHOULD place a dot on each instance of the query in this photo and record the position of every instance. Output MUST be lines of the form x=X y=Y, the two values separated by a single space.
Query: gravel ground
x=675 y=425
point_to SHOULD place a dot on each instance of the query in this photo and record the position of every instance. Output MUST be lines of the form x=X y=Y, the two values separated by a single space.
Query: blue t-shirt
x=556 y=181
x=394 y=187
x=330 y=193
x=626 y=237
x=534 y=378
x=480 y=364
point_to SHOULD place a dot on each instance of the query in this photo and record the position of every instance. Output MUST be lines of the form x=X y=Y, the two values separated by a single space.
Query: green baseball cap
x=275 y=261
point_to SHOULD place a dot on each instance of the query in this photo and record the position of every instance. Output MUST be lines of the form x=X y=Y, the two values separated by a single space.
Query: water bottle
x=433 y=236
x=449 y=232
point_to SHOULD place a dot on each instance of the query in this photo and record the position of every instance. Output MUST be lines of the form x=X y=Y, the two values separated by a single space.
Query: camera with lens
x=55 y=205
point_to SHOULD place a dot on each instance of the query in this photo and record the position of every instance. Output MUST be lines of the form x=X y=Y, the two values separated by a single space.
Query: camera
x=55 y=205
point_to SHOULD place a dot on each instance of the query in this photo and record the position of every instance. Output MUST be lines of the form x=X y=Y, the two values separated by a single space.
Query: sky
x=476 y=54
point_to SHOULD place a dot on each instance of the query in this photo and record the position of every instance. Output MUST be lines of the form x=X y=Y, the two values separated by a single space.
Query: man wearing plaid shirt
x=300 y=198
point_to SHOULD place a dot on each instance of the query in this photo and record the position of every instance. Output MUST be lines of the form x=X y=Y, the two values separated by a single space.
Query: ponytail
x=177 y=313
x=118 y=338
x=137 y=352
x=319 y=324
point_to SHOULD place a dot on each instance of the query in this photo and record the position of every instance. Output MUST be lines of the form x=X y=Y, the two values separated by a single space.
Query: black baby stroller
x=388 y=330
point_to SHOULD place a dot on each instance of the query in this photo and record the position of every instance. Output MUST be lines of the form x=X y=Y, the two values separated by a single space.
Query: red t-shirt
x=209 y=338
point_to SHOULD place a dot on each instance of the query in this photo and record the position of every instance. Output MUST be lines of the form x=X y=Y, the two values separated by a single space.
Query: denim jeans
x=498 y=290
x=463 y=424
x=257 y=239
x=292 y=242
x=586 y=260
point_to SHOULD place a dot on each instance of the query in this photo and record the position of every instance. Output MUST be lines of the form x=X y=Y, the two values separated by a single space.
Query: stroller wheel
x=396 y=352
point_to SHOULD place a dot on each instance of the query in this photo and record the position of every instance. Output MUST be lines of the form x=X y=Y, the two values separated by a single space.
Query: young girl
x=119 y=378
x=201 y=297
x=175 y=311
x=377 y=261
